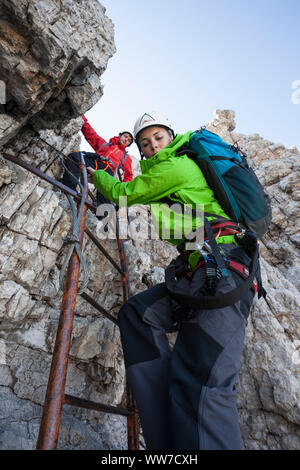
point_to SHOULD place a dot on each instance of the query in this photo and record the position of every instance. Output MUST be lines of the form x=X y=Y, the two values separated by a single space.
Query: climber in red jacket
x=114 y=150
x=110 y=157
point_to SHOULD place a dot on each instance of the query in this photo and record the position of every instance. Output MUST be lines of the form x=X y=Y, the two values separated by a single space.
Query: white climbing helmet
x=151 y=119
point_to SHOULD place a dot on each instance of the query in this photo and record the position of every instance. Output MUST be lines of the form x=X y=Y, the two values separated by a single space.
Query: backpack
x=241 y=196
x=233 y=181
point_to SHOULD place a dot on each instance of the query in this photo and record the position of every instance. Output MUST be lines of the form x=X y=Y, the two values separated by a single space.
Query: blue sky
x=187 y=58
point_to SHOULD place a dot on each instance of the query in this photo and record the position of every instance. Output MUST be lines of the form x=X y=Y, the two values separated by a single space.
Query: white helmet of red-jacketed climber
x=151 y=119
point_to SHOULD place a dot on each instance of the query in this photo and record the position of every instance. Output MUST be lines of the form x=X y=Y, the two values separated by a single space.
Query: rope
x=72 y=239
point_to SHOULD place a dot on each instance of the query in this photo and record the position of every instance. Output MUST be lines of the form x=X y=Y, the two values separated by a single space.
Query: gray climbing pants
x=186 y=397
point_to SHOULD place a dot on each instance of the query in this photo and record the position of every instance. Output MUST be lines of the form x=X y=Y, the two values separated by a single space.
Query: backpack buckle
x=242 y=231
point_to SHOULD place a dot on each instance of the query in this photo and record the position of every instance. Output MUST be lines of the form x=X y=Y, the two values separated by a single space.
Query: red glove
x=84 y=118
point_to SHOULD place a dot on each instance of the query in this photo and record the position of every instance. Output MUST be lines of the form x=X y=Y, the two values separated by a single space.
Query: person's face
x=153 y=139
x=125 y=139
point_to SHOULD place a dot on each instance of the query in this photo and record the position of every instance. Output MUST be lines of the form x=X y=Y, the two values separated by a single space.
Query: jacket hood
x=163 y=154
x=115 y=141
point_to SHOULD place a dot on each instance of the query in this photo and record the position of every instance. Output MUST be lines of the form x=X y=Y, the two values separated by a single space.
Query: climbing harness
x=111 y=164
x=216 y=267
x=211 y=262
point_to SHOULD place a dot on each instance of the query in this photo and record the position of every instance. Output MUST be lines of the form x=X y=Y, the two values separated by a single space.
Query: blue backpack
x=243 y=199
x=235 y=185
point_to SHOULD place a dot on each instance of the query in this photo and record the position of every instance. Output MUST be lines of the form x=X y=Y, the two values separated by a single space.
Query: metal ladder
x=55 y=394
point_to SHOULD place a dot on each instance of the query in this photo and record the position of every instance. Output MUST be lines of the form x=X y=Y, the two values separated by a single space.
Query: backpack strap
x=105 y=145
x=125 y=155
x=106 y=159
x=215 y=250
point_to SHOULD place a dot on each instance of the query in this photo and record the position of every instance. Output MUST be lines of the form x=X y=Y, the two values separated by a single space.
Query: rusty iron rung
x=91 y=405
x=91 y=196
x=95 y=304
x=43 y=176
x=98 y=244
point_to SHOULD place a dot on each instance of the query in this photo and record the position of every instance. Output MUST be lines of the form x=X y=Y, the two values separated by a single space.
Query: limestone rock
x=52 y=55
x=20 y=420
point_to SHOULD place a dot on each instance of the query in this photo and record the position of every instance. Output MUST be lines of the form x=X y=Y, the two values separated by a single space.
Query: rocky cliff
x=51 y=64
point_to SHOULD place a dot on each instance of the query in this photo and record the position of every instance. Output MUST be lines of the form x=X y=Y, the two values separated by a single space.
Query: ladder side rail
x=50 y=423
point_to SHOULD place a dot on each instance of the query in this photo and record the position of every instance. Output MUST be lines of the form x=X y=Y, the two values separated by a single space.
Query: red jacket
x=112 y=150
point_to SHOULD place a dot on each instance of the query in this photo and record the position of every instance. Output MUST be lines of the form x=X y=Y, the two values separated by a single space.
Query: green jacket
x=166 y=175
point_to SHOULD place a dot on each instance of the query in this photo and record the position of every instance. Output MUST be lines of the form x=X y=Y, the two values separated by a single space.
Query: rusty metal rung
x=45 y=177
x=91 y=405
x=95 y=304
x=98 y=244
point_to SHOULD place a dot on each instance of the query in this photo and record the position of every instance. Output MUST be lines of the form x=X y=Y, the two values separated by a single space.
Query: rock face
x=52 y=64
x=52 y=53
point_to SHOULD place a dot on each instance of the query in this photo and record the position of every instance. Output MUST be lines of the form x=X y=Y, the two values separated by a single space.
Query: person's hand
x=90 y=172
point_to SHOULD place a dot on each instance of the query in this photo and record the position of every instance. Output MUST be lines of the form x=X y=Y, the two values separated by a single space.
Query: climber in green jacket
x=186 y=397
x=165 y=175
